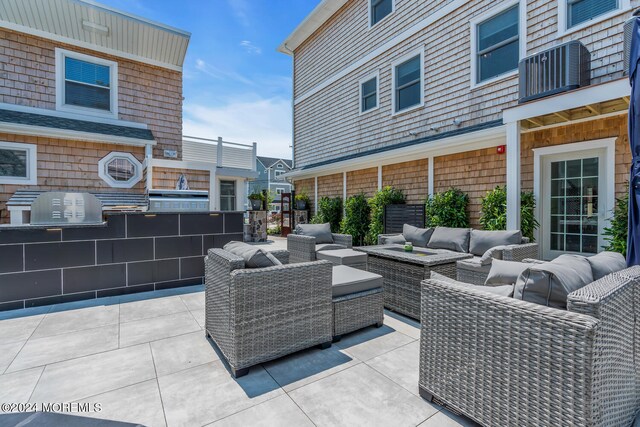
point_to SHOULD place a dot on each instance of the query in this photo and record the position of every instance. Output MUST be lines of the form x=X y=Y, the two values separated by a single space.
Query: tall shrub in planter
x=356 y=218
x=448 y=209
x=493 y=211
x=329 y=210
x=386 y=196
x=616 y=234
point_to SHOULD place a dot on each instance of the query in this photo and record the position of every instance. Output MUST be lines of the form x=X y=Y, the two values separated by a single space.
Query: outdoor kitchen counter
x=129 y=252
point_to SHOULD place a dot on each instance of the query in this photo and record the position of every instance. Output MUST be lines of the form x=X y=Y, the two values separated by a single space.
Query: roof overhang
x=486 y=138
x=588 y=103
x=90 y=25
x=310 y=24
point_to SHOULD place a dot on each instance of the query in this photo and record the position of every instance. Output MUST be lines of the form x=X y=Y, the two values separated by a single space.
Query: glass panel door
x=227 y=195
x=572 y=215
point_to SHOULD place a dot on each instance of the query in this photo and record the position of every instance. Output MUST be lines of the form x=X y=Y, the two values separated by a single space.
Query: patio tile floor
x=145 y=359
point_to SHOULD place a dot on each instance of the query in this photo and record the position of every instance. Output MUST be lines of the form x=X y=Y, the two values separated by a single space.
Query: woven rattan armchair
x=257 y=315
x=506 y=362
x=303 y=248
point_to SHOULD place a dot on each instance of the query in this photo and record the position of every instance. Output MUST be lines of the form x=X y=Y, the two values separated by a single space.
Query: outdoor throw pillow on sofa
x=481 y=240
x=389 y=240
x=606 y=263
x=550 y=283
x=417 y=236
x=253 y=257
x=505 y=272
x=322 y=232
x=454 y=239
x=504 y=290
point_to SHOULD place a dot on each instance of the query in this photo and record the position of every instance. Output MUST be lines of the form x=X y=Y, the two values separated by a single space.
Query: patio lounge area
x=145 y=359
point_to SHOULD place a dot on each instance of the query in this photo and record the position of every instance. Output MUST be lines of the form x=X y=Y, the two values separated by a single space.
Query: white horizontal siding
x=199 y=151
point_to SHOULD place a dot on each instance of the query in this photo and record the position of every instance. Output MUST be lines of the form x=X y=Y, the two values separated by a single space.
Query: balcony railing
x=222 y=153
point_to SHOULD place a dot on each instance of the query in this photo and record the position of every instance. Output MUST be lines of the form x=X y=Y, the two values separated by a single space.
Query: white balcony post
x=513 y=176
x=379 y=177
x=430 y=176
x=315 y=196
x=219 y=153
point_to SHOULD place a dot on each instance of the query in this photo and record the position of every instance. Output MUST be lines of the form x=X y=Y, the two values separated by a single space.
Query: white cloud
x=219 y=73
x=240 y=9
x=244 y=119
x=250 y=47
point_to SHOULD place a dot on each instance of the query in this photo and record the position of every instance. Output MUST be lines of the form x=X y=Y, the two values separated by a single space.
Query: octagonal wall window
x=120 y=170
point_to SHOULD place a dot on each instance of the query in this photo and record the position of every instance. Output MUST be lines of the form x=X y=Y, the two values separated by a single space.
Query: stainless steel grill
x=57 y=208
x=178 y=201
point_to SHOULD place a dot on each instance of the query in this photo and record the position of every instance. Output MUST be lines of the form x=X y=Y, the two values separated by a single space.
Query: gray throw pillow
x=482 y=240
x=253 y=257
x=505 y=272
x=322 y=232
x=551 y=282
x=390 y=240
x=454 y=239
x=503 y=290
x=606 y=263
x=272 y=258
x=417 y=236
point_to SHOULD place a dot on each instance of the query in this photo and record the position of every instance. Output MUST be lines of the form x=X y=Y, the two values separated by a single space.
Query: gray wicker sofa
x=303 y=248
x=257 y=315
x=475 y=270
x=508 y=362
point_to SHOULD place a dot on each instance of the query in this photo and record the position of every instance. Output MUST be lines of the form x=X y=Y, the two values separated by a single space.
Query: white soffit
x=310 y=24
x=93 y=26
x=570 y=100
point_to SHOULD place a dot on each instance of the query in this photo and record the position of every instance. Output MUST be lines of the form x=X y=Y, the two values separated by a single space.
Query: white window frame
x=371 y=24
x=606 y=200
x=363 y=80
x=522 y=40
x=394 y=65
x=279 y=190
x=279 y=166
x=278 y=173
x=61 y=54
x=32 y=164
x=102 y=172
x=624 y=6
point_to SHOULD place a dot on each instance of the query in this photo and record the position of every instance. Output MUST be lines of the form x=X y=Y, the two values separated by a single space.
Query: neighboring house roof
x=91 y=25
x=61 y=127
x=267 y=162
x=310 y=24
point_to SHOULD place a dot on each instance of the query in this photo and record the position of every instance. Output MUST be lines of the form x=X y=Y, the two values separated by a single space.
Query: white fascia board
x=73 y=116
x=456 y=144
x=105 y=50
x=567 y=101
x=48 y=132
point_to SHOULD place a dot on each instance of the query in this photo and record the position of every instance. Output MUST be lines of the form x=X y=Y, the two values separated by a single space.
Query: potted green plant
x=302 y=200
x=256 y=200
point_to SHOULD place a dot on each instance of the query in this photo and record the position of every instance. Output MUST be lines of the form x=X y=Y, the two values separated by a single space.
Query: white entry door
x=575 y=201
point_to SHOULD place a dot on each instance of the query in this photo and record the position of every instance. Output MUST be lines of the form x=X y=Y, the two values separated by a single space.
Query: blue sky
x=235 y=83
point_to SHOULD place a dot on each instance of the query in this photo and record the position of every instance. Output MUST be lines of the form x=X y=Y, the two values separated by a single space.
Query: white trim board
x=567 y=101
x=608 y=144
x=414 y=29
x=487 y=138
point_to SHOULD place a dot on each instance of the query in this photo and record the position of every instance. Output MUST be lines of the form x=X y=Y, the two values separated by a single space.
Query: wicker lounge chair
x=506 y=362
x=303 y=248
x=257 y=315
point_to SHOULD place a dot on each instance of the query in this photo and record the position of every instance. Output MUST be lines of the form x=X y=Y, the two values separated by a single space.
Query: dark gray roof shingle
x=42 y=120
x=270 y=161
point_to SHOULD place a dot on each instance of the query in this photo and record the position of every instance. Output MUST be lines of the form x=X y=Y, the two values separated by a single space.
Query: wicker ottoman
x=347 y=257
x=358 y=300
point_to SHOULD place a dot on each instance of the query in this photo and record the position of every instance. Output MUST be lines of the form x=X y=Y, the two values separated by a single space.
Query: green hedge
x=386 y=196
x=493 y=211
x=448 y=209
x=329 y=210
x=356 y=218
x=616 y=234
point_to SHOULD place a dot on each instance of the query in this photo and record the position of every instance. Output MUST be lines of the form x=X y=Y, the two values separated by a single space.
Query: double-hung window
x=86 y=84
x=580 y=11
x=497 y=44
x=18 y=163
x=368 y=94
x=380 y=9
x=407 y=84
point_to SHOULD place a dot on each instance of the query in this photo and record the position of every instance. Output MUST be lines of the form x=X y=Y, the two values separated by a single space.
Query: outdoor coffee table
x=403 y=271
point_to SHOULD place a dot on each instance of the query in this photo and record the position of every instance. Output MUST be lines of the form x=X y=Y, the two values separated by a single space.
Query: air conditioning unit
x=559 y=69
x=628 y=35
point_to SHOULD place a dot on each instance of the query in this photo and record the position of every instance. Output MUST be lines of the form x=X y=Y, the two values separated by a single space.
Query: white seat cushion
x=347 y=280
